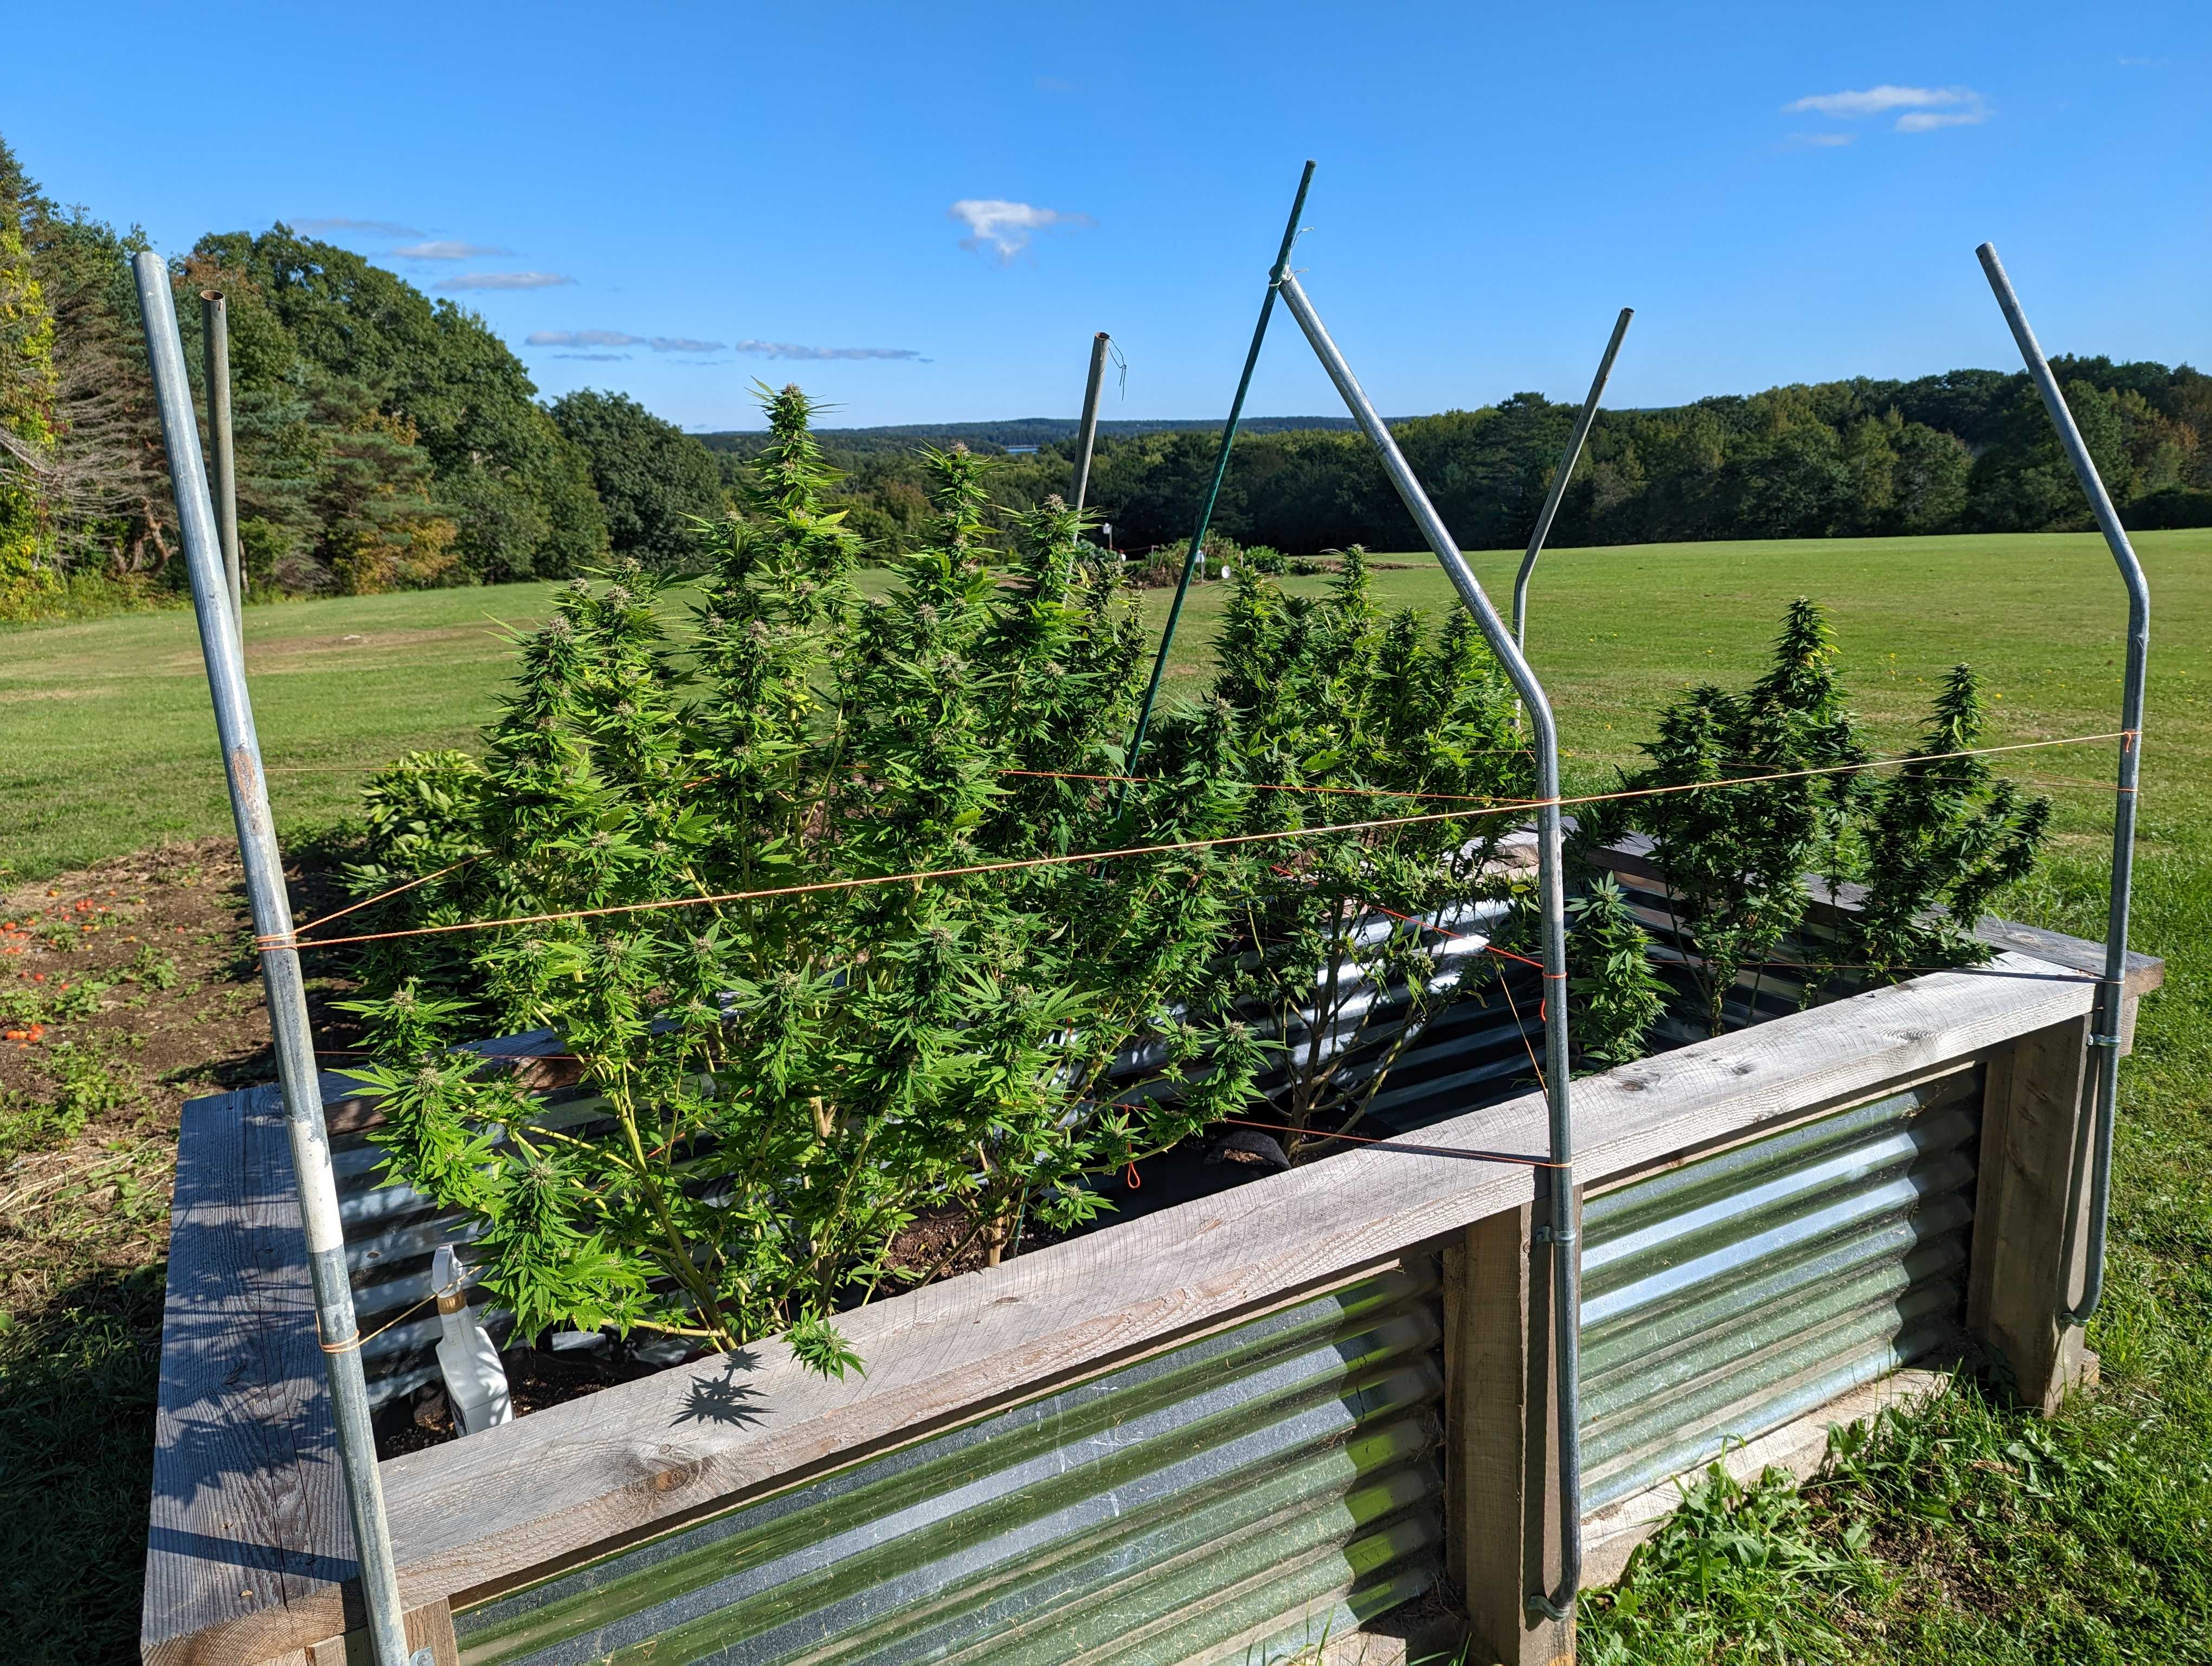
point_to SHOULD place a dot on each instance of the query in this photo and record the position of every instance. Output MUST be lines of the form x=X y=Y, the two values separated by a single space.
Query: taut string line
x=293 y=940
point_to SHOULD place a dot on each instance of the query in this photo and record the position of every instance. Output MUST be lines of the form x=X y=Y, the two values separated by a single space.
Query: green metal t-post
x=1213 y=486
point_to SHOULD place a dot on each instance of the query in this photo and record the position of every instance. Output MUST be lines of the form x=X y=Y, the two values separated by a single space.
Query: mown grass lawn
x=1966 y=1532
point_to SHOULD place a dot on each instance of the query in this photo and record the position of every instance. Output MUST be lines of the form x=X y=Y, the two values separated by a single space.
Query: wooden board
x=248 y=1536
x=1501 y=1420
x=2035 y=1118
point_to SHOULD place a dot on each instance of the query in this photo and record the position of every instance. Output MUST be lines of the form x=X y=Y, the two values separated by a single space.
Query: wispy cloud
x=2139 y=62
x=1925 y=108
x=380 y=227
x=1054 y=84
x=785 y=350
x=1927 y=121
x=506 y=281
x=1819 y=141
x=445 y=250
x=1007 y=227
x=596 y=358
x=687 y=344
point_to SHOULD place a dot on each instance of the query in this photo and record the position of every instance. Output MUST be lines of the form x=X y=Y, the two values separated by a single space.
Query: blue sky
x=1784 y=192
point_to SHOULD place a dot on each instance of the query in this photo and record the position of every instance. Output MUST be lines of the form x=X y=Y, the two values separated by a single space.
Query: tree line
x=1968 y=451
x=384 y=440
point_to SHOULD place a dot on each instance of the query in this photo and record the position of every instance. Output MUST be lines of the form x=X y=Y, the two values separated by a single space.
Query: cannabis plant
x=1323 y=711
x=1616 y=996
x=1735 y=858
x=1943 y=835
x=786 y=1076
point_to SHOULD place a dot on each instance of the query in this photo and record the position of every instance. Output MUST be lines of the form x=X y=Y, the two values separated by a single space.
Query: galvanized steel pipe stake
x=280 y=969
x=1567 y=461
x=1087 y=435
x=1559 y=1233
x=1220 y=467
x=2111 y=988
x=215 y=319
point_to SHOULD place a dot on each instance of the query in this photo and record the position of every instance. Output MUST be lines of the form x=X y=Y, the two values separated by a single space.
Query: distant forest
x=386 y=441
x=1969 y=451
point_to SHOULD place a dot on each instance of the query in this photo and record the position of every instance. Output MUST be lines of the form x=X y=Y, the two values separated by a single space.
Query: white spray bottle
x=476 y=1381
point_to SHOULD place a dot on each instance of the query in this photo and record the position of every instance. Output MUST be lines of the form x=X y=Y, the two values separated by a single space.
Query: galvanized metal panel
x=1725 y=1297
x=1280 y=1476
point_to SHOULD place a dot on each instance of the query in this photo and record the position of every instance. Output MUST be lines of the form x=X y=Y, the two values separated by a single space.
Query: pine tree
x=28 y=386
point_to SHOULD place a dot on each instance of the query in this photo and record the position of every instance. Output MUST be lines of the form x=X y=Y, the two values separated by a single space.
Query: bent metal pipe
x=1560 y=1231
x=1576 y=440
x=2112 y=995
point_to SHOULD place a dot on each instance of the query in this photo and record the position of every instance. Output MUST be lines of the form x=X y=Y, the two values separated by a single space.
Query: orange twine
x=293 y=940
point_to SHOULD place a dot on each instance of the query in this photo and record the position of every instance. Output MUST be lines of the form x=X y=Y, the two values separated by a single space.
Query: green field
x=106 y=743
x=1971 y=1533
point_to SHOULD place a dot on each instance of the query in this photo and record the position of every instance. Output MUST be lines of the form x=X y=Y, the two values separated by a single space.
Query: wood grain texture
x=2144 y=974
x=638 y=1458
x=2035 y=1114
x=1501 y=1431
x=248 y=1536
x=428 y=1625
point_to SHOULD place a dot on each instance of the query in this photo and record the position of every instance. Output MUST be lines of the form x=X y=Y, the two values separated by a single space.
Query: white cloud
x=1005 y=227
x=684 y=344
x=381 y=228
x=785 y=350
x=1824 y=141
x=1927 y=121
x=1926 y=108
x=506 y=281
x=446 y=250
x=596 y=358
x=1877 y=101
x=582 y=338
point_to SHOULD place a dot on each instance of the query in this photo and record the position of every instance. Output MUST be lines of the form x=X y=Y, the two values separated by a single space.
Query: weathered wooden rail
x=1935 y=1121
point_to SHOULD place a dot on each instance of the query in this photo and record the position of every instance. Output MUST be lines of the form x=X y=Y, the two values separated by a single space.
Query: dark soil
x=536 y=1378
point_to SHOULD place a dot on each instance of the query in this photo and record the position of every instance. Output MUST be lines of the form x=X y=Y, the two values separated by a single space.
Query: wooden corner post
x=1501 y=1435
x=430 y=1626
x=2035 y=1128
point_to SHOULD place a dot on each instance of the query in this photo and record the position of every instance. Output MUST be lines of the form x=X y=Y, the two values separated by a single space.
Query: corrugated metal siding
x=1268 y=1485
x=1727 y=1296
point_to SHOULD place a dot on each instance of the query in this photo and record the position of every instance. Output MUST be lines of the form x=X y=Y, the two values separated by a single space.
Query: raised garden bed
x=1289 y=1407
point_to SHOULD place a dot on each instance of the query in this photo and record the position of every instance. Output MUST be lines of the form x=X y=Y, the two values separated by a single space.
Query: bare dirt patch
x=125 y=990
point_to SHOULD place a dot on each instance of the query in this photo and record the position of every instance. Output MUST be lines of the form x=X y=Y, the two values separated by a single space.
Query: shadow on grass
x=77 y=1382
